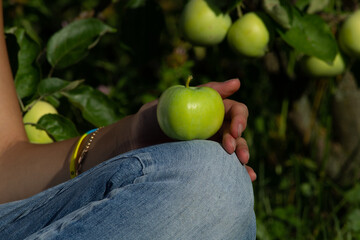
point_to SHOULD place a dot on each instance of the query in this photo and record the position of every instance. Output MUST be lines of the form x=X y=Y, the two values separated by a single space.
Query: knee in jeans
x=223 y=182
x=210 y=159
x=221 y=173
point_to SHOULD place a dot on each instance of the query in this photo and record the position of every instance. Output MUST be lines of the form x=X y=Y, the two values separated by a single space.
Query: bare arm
x=10 y=117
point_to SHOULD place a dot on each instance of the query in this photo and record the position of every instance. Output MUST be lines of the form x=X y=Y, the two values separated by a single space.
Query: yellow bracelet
x=74 y=156
x=76 y=159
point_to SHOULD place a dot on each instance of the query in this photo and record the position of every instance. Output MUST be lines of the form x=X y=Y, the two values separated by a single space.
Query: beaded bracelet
x=76 y=159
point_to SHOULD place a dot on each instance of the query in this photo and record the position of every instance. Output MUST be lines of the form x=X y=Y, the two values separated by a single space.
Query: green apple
x=203 y=24
x=249 y=36
x=36 y=111
x=349 y=35
x=186 y=113
x=319 y=68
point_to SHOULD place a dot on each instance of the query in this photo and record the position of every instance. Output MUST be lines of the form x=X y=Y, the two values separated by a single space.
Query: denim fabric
x=181 y=190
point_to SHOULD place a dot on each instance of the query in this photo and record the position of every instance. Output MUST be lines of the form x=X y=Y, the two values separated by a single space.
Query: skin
x=25 y=168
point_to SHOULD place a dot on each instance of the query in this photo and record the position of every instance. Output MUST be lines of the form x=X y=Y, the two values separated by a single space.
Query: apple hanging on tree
x=186 y=113
x=32 y=116
x=249 y=36
x=318 y=68
x=203 y=23
x=349 y=35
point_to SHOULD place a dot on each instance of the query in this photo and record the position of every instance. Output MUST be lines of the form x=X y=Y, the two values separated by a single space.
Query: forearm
x=27 y=169
x=11 y=127
x=111 y=141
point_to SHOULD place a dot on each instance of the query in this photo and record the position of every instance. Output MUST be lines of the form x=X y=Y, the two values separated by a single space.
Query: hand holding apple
x=145 y=130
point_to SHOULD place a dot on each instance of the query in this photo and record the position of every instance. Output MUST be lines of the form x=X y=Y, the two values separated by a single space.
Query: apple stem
x=188 y=81
x=239 y=11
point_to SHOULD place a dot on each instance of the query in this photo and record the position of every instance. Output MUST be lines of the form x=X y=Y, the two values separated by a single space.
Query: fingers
x=239 y=146
x=241 y=149
x=251 y=173
x=235 y=122
x=225 y=89
x=228 y=141
x=237 y=113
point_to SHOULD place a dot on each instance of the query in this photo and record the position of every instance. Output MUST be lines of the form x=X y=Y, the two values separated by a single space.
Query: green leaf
x=353 y=220
x=72 y=43
x=50 y=86
x=57 y=126
x=317 y=5
x=28 y=73
x=95 y=106
x=136 y=3
x=302 y=4
x=280 y=11
x=353 y=195
x=40 y=6
x=53 y=100
x=30 y=31
x=287 y=214
x=311 y=35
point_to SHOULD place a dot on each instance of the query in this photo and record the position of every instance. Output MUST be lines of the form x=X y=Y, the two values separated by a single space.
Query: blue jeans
x=181 y=190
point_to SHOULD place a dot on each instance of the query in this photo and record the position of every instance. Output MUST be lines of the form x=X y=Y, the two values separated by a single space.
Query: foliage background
x=303 y=132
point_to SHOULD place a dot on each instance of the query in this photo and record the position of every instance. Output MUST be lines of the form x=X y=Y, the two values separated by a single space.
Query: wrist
x=109 y=142
x=80 y=151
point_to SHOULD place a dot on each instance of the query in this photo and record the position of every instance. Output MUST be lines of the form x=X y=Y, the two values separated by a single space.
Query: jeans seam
x=107 y=191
